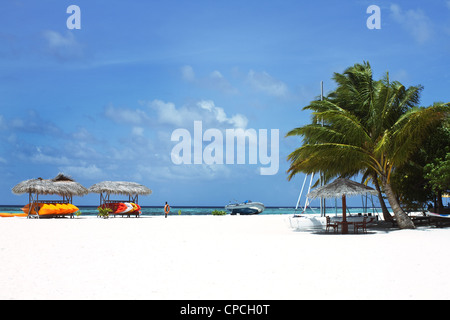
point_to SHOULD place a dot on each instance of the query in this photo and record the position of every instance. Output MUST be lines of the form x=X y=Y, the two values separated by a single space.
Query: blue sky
x=100 y=103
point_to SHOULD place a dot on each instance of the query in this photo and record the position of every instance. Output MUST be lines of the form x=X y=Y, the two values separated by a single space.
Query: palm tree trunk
x=386 y=215
x=403 y=221
x=440 y=205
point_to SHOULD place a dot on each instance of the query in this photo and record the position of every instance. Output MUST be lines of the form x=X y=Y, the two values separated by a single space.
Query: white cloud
x=138 y=131
x=187 y=173
x=237 y=121
x=216 y=75
x=260 y=81
x=126 y=116
x=215 y=80
x=82 y=134
x=188 y=74
x=32 y=122
x=416 y=22
x=146 y=146
x=91 y=172
x=169 y=114
x=204 y=110
x=2 y=123
x=57 y=40
x=264 y=82
x=63 y=47
x=48 y=158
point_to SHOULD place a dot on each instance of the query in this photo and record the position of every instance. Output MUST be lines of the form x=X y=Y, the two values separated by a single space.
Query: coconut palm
x=359 y=93
x=365 y=126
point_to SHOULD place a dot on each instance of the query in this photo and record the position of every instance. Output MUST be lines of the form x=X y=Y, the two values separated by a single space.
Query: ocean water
x=195 y=211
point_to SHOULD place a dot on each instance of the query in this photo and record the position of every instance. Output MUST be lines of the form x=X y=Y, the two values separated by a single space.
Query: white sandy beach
x=216 y=257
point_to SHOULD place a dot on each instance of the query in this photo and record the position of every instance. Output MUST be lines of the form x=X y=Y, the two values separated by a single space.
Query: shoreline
x=193 y=211
x=215 y=257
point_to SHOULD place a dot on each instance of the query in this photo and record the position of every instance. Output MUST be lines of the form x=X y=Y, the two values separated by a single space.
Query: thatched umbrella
x=341 y=188
x=61 y=185
x=119 y=187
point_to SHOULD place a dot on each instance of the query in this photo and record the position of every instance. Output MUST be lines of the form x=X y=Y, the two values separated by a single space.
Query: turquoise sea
x=195 y=211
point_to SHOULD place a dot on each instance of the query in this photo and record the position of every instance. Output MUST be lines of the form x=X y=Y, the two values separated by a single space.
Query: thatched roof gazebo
x=61 y=185
x=340 y=188
x=131 y=189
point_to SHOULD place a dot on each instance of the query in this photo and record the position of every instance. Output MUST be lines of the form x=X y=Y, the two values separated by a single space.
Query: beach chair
x=361 y=225
x=331 y=225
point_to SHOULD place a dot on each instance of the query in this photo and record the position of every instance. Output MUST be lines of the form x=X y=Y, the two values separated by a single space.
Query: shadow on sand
x=381 y=227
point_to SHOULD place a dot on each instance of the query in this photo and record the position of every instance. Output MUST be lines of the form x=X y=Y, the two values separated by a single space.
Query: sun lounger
x=440 y=220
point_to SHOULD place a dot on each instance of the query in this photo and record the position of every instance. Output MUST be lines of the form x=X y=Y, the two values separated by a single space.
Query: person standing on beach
x=166 y=209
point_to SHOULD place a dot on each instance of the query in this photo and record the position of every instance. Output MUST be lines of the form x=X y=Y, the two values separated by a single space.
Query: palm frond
x=333 y=158
x=412 y=128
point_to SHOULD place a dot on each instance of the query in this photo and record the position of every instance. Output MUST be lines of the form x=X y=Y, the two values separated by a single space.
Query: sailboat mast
x=322 y=178
x=301 y=192
x=321 y=90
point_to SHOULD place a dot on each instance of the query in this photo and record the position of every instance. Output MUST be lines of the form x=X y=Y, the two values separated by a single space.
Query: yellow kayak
x=8 y=215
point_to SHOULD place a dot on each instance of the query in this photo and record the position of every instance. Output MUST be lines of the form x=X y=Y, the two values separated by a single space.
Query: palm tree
x=368 y=126
x=387 y=100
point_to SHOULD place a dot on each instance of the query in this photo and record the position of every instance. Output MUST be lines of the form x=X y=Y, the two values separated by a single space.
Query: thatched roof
x=120 y=187
x=341 y=187
x=60 y=185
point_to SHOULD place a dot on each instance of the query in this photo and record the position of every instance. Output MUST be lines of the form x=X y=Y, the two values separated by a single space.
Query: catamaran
x=339 y=187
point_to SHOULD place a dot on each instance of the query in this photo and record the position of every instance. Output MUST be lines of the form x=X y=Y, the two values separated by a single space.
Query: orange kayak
x=9 y=215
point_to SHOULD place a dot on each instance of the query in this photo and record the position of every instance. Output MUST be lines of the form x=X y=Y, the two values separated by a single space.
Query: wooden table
x=344 y=226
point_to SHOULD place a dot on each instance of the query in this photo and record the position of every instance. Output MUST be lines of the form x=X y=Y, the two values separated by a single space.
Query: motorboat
x=245 y=208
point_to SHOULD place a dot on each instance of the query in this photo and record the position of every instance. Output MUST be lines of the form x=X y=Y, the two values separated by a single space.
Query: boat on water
x=245 y=208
